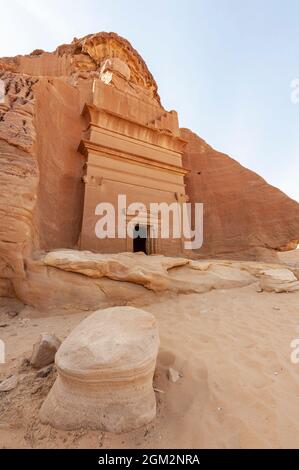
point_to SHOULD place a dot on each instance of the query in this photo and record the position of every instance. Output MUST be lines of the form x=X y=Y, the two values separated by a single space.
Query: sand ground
x=239 y=388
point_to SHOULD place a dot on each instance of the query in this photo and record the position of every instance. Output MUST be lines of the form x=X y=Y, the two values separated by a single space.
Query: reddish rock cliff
x=18 y=177
x=41 y=169
x=244 y=217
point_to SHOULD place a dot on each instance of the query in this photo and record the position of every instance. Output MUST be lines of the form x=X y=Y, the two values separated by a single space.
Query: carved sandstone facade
x=132 y=148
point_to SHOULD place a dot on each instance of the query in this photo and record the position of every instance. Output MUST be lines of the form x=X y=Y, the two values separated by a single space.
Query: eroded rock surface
x=279 y=280
x=82 y=281
x=18 y=176
x=244 y=217
x=148 y=271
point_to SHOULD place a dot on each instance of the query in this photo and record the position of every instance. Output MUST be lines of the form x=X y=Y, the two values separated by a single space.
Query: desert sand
x=238 y=386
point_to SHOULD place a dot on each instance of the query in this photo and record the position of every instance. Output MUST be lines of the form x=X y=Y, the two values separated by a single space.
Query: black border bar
x=135 y=458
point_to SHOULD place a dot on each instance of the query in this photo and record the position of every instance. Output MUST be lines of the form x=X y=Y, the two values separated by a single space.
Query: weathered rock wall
x=59 y=129
x=41 y=197
x=244 y=217
x=18 y=177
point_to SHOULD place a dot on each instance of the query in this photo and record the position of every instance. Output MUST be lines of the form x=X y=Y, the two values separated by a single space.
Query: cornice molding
x=94 y=111
x=87 y=146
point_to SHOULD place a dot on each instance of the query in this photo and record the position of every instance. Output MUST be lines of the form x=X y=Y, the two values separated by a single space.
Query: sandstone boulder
x=44 y=351
x=105 y=373
x=279 y=280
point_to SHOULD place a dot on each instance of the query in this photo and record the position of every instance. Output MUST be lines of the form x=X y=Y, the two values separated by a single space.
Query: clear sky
x=225 y=65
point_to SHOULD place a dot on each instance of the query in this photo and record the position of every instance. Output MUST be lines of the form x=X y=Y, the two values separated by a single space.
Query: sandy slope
x=239 y=388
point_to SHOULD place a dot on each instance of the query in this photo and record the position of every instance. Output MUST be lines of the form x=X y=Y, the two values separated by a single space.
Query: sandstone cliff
x=61 y=85
x=41 y=169
x=18 y=177
x=244 y=217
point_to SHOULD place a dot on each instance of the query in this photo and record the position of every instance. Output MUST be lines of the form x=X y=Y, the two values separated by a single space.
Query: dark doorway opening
x=140 y=239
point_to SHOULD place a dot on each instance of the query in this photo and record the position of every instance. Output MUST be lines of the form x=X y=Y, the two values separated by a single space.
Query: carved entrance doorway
x=140 y=243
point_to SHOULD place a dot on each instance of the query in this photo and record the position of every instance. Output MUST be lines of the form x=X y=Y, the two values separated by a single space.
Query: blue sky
x=225 y=65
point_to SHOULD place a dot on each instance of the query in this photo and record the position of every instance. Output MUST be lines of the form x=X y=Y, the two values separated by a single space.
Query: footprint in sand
x=166 y=358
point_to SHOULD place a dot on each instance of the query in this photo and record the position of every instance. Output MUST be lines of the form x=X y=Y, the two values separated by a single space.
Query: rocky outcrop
x=77 y=281
x=84 y=58
x=150 y=272
x=62 y=292
x=105 y=373
x=244 y=217
x=82 y=281
x=41 y=170
x=279 y=281
x=18 y=176
x=156 y=273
